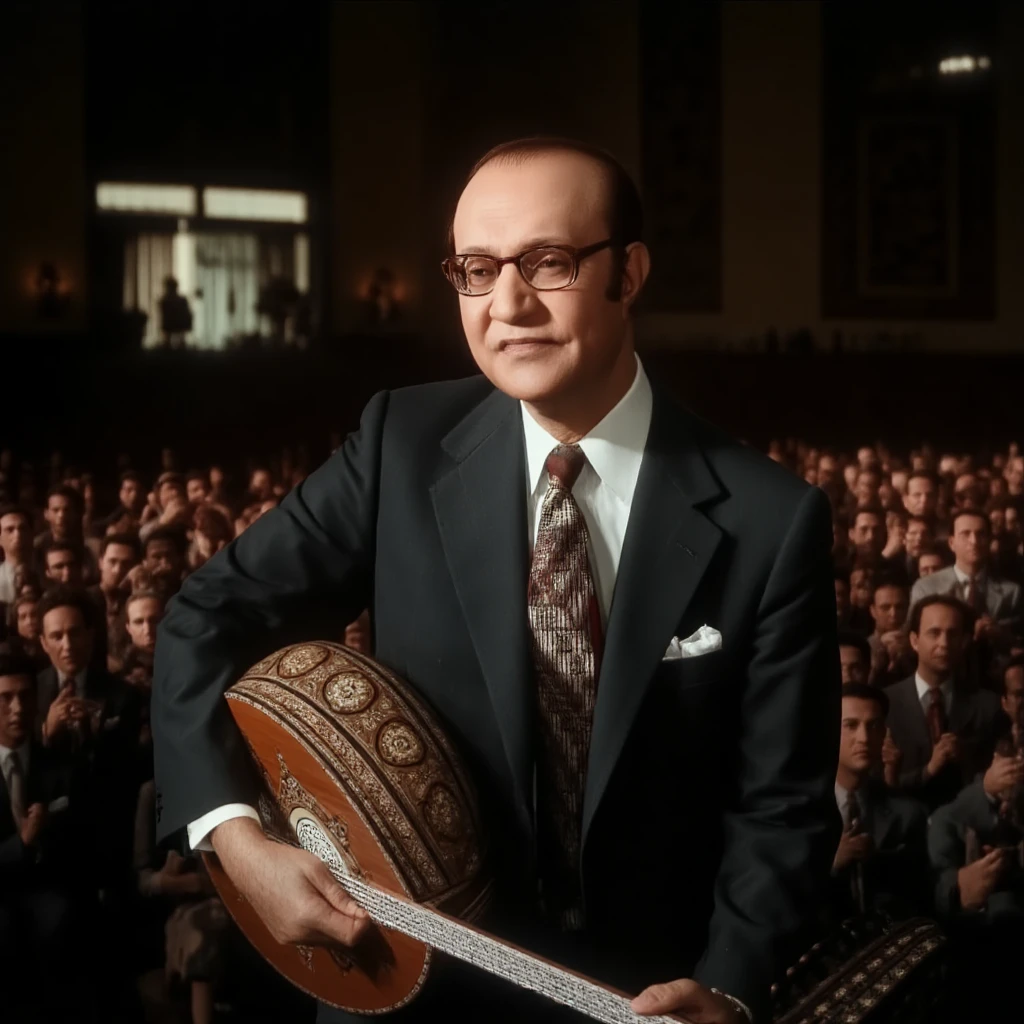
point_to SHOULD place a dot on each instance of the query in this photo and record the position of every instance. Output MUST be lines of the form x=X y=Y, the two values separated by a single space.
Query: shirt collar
x=962 y=577
x=923 y=688
x=79 y=680
x=614 y=448
x=842 y=796
x=21 y=751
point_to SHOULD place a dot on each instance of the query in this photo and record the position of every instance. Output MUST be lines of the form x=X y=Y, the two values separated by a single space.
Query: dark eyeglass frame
x=577 y=255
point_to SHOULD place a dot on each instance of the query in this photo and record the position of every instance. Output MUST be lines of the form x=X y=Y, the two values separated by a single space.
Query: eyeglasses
x=546 y=268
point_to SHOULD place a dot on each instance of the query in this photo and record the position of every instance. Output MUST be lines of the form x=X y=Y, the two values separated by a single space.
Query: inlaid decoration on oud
x=442 y=813
x=349 y=693
x=300 y=660
x=398 y=744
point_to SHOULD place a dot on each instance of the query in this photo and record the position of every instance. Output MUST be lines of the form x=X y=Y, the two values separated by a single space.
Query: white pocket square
x=704 y=641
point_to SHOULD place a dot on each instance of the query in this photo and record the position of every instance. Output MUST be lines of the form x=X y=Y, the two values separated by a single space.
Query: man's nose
x=511 y=296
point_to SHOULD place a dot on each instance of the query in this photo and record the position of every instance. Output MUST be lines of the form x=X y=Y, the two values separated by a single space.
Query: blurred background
x=835 y=183
x=221 y=228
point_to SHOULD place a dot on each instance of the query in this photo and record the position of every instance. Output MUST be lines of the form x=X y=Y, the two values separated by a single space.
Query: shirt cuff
x=742 y=1007
x=200 y=829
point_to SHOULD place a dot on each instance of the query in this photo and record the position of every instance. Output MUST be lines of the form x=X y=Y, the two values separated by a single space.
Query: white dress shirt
x=923 y=689
x=22 y=754
x=7 y=594
x=603 y=491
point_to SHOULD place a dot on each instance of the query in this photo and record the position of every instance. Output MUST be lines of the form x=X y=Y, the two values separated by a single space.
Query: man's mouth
x=522 y=343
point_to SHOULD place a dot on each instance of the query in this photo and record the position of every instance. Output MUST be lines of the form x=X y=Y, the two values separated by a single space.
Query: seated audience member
x=64 y=569
x=144 y=610
x=881 y=863
x=928 y=562
x=168 y=508
x=892 y=658
x=16 y=544
x=922 y=498
x=918 y=539
x=26 y=631
x=163 y=562
x=197 y=487
x=119 y=555
x=995 y=602
x=862 y=580
x=64 y=512
x=211 y=532
x=854 y=658
x=945 y=731
x=38 y=875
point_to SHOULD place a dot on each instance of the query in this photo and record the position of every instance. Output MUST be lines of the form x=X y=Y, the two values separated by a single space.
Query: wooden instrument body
x=357 y=771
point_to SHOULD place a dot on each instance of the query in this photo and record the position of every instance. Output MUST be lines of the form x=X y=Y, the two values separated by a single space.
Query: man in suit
x=945 y=731
x=89 y=714
x=693 y=827
x=881 y=863
x=38 y=860
x=995 y=602
x=891 y=655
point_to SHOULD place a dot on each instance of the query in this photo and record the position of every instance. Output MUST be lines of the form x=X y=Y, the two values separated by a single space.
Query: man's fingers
x=331 y=890
x=666 y=997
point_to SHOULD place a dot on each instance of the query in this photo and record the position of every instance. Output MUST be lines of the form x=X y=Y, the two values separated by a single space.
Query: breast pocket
x=690 y=672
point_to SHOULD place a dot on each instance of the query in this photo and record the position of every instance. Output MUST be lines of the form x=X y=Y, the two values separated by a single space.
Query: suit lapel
x=961 y=711
x=480 y=507
x=668 y=546
x=913 y=713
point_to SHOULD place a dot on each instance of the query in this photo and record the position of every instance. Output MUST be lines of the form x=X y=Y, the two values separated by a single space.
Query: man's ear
x=635 y=268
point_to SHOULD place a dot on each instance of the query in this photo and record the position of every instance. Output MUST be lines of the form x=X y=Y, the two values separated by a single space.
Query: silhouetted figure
x=175 y=315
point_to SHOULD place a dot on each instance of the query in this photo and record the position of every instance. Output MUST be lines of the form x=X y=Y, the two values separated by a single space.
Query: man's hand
x=294 y=893
x=32 y=824
x=945 y=751
x=1003 y=773
x=896 y=644
x=892 y=760
x=689 y=999
x=853 y=846
x=978 y=881
x=64 y=710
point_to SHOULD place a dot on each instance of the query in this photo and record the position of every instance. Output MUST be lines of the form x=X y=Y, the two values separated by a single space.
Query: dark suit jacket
x=48 y=861
x=976 y=718
x=896 y=874
x=709 y=821
x=948 y=853
x=112 y=765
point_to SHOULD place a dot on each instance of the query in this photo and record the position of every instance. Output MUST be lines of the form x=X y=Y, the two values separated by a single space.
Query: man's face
x=1015 y=474
x=17 y=709
x=921 y=497
x=66 y=641
x=862 y=734
x=899 y=480
x=64 y=567
x=170 y=492
x=929 y=563
x=1011 y=520
x=868 y=533
x=970 y=542
x=865 y=457
x=59 y=513
x=28 y=620
x=842 y=598
x=260 y=486
x=918 y=537
x=941 y=639
x=1013 y=694
x=114 y=566
x=890 y=608
x=196 y=490
x=15 y=538
x=860 y=588
x=866 y=488
x=162 y=559
x=966 y=493
x=542 y=346
x=851 y=661
x=144 y=614
x=131 y=495
x=827 y=470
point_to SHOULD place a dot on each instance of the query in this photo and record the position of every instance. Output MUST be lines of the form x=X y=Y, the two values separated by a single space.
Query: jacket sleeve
x=298 y=573
x=782 y=827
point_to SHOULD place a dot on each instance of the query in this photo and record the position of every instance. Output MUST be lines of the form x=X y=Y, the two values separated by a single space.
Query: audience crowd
x=100 y=922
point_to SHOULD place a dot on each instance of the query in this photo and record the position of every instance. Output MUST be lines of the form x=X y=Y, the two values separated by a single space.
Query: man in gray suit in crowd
x=945 y=731
x=995 y=602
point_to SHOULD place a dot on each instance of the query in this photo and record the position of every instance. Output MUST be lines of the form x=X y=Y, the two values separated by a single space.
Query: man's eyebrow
x=529 y=243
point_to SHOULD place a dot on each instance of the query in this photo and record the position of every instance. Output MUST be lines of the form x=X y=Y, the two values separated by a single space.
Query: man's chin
x=528 y=379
